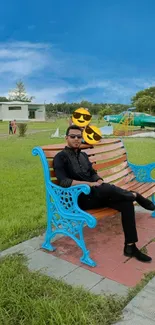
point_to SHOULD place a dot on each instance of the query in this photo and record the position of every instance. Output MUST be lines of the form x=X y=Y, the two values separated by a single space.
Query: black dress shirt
x=72 y=165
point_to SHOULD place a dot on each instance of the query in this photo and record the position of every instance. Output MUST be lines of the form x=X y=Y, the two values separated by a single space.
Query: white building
x=21 y=111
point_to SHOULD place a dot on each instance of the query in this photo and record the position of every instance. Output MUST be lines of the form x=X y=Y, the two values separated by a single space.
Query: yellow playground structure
x=125 y=126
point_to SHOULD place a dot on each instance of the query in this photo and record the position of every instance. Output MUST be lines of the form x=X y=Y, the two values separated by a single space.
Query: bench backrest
x=108 y=157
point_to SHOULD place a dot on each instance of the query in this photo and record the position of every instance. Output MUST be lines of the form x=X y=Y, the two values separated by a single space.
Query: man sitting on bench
x=72 y=167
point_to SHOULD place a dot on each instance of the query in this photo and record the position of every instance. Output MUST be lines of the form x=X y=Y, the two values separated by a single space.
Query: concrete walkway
x=140 y=310
x=56 y=267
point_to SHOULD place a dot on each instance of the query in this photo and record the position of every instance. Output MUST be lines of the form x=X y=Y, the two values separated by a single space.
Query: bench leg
x=86 y=259
x=153 y=200
x=48 y=236
x=66 y=229
x=47 y=243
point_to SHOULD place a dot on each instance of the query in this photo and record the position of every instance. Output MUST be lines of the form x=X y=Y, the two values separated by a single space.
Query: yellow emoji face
x=81 y=117
x=91 y=134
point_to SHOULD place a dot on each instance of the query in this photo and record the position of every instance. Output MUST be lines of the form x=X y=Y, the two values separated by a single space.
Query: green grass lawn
x=30 y=298
x=23 y=196
x=35 y=299
x=52 y=125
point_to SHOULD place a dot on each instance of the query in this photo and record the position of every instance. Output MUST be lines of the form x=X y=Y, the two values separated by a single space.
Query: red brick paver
x=106 y=242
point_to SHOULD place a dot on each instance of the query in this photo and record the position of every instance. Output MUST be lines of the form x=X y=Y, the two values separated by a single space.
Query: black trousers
x=111 y=196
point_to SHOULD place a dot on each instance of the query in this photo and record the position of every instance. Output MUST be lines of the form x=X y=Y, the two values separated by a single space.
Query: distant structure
x=56 y=134
x=107 y=130
x=21 y=111
x=127 y=120
x=124 y=126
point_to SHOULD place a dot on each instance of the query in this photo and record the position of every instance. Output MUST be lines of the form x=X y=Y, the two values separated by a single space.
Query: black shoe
x=145 y=203
x=133 y=251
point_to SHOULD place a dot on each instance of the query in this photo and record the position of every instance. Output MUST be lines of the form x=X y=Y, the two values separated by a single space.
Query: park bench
x=64 y=216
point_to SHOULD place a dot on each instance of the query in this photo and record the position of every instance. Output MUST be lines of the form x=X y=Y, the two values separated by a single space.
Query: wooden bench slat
x=132 y=187
x=140 y=187
x=144 y=187
x=118 y=175
x=105 y=212
x=50 y=154
x=52 y=173
x=147 y=188
x=108 y=140
x=130 y=184
x=50 y=163
x=149 y=192
x=113 y=170
x=137 y=187
x=105 y=148
x=55 y=181
x=110 y=163
x=59 y=146
x=125 y=180
x=106 y=156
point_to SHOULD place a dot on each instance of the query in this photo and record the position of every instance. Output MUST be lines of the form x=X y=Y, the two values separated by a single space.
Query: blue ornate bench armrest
x=143 y=172
x=66 y=202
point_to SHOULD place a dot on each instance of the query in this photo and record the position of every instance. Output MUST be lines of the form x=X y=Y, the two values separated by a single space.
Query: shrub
x=22 y=129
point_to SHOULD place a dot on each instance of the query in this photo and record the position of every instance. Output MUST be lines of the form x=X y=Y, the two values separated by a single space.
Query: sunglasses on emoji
x=96 y=136
x=85 y=116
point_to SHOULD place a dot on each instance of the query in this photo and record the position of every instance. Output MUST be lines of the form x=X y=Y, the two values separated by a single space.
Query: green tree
x=145 y=104
x=3 y=99
x=104 y=111
x=19 y=93
x=94 y=108
x=144 y=100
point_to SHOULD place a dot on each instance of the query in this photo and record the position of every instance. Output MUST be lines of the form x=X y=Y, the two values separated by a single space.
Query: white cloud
x=61 y=76
x=53 y=94
x=27 y=45
x=22 y=59
x=109 y=90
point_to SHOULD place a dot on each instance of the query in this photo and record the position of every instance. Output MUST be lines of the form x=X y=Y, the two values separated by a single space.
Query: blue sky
x=69 y=50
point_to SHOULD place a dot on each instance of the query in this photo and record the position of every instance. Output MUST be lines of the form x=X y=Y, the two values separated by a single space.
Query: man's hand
x=94 y=184
x=100 y=181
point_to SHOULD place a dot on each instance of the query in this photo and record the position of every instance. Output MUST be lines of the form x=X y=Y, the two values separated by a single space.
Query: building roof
x=20 y=103
x=36 y=104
